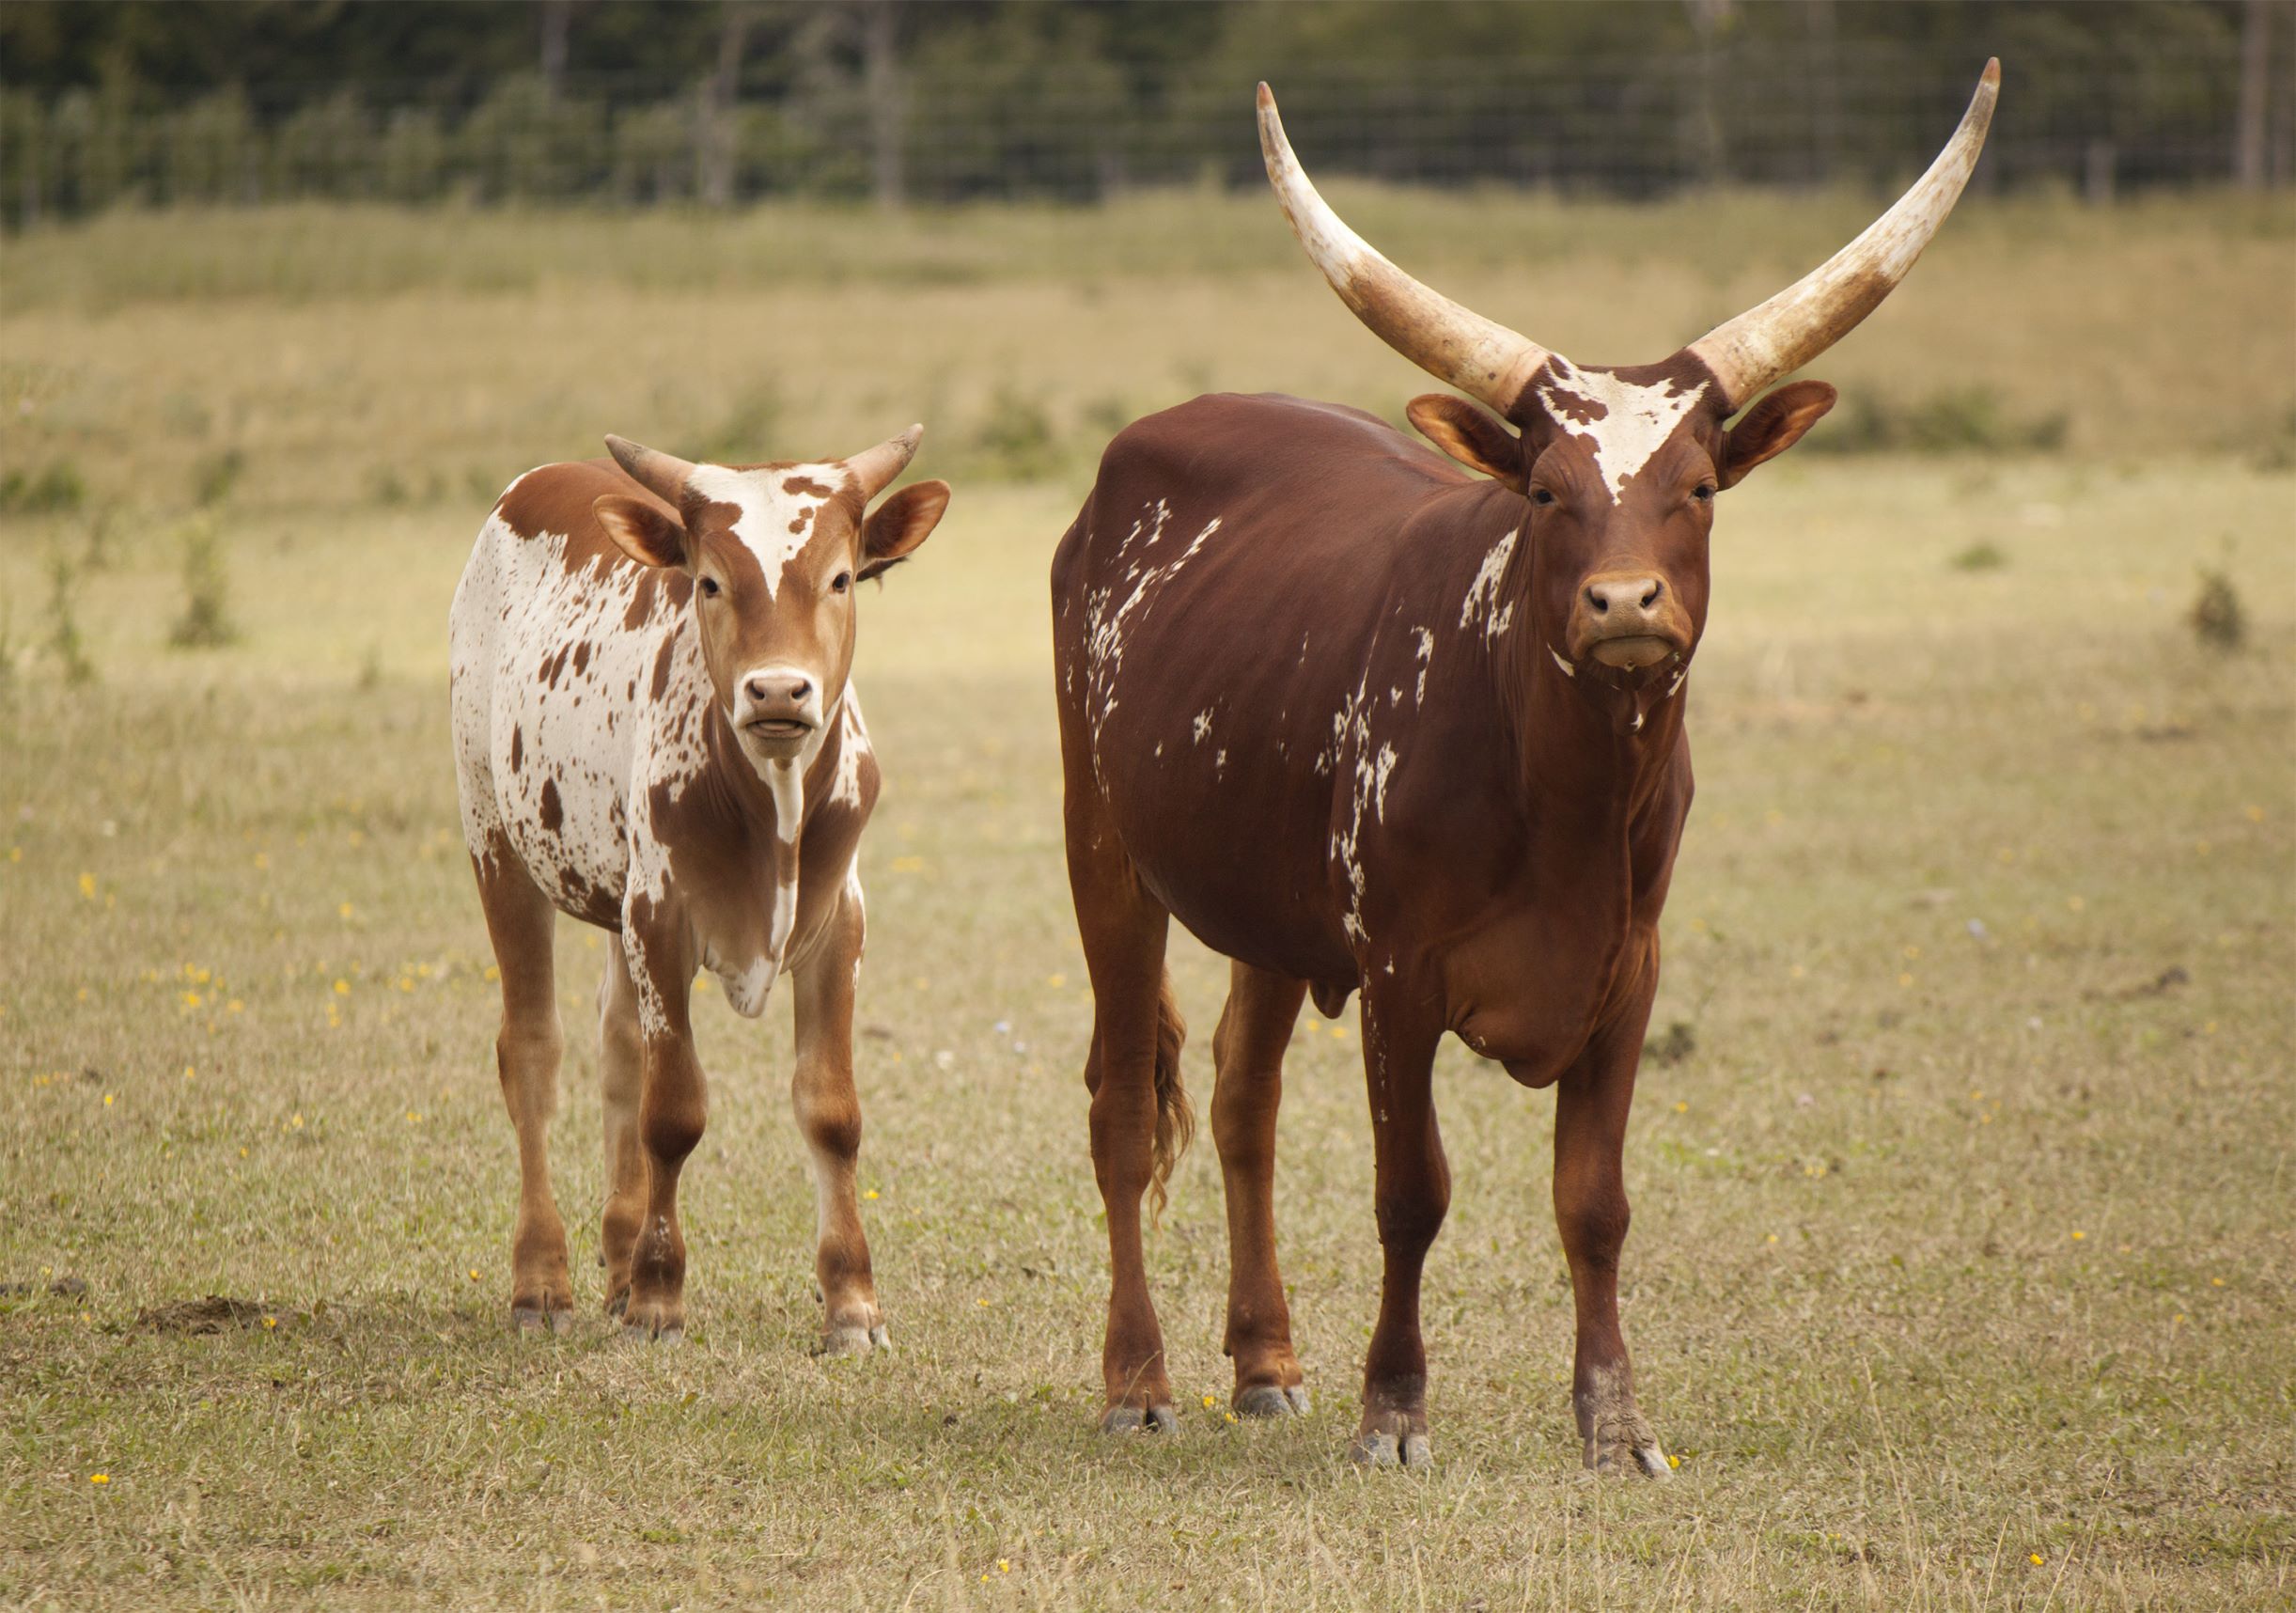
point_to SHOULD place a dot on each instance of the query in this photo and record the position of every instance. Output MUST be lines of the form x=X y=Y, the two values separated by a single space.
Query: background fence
x=1001 y=115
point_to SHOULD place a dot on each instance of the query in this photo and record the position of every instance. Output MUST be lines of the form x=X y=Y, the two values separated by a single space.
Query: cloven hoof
x=853 y=1340
x=533 y=1321
x=1383 y=1450
x=1267 y=1400
x=1131 y=1419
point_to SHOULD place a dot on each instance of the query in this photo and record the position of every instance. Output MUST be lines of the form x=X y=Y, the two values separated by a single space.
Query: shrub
x=56 y=488
x=749 y=433
x=64 y=640
x=1015 y=438
x=1983 y=555
x=205 y=622
x=215 y=476
x=2216 y=616
x=1964 y=419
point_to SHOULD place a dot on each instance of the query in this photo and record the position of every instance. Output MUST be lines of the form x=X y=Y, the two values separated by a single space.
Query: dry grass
x=1962 y=1234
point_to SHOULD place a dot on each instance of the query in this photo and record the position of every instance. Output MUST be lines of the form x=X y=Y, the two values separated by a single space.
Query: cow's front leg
x=1590 y=1211
x=829 y=1118
x=673 y=1108
x=1413 y=1193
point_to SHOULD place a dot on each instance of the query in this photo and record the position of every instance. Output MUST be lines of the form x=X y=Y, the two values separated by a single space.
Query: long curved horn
x=1449 y=342
x=876 y=469
x=1799 y=322
x=658 y=472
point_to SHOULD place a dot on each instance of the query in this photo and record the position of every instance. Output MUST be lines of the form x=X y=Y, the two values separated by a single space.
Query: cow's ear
x=898 y=525
x=1773 y=426
x=1474 y=439
x=641 y=531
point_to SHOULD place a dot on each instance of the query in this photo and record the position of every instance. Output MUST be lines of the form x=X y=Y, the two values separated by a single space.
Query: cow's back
x=563 y=652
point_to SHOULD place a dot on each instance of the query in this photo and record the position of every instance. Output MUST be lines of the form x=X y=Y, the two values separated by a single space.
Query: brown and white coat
x=655 y=731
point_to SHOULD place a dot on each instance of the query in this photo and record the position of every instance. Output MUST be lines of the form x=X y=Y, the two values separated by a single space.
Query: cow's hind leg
x=621 y=1071
x=519 y=920
x=1139 y=1109
x=1247 y=1051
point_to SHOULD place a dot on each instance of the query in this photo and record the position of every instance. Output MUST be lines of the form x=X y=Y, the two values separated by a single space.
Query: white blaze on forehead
x=778 y=505
x=1635 y=422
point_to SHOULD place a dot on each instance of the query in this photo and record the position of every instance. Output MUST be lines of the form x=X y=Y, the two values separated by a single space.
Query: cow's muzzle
x=1627 y=621
x=776 y=709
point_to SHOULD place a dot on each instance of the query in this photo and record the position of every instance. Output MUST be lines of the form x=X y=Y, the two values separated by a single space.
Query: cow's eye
x=708 y=587
x=1541 y=497
x=1704 y=493
x=839 y=583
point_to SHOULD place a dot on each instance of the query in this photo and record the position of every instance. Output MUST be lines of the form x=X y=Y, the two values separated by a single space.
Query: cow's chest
x=1530 y=991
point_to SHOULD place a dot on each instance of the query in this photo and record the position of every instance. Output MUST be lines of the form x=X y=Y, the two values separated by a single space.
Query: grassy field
x=1961 y=1270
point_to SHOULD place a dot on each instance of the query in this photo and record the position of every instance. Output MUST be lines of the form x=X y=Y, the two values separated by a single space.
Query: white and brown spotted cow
x=655 y=731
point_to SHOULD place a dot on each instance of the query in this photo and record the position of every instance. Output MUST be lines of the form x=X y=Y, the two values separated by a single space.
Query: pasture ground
x=1961 y=1266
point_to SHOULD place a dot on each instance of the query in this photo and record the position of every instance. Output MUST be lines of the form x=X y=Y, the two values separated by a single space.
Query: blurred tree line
x=634 y=101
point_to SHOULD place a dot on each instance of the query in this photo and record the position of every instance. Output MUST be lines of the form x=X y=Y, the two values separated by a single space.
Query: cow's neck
x=770 y=804
x=1586 y=772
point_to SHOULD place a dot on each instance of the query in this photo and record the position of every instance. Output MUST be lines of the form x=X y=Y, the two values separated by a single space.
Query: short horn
x=1452 y=343
x=658 y=472
x=875 y=470
x=1778 y=337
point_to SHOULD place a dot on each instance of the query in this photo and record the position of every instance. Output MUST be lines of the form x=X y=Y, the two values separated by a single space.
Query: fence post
x=714 y=151
x=881 y=82
x=2100 y=160
x=2256 y=96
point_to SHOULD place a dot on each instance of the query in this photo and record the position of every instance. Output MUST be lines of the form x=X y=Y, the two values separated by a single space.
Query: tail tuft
x=1175 y=1121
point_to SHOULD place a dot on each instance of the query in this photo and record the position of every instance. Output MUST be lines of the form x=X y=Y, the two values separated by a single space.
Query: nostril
x=800 y=689
x=1650 y=598
x=1598 y=598
x=755 y=688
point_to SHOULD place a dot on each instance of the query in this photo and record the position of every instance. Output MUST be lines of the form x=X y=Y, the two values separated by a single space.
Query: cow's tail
x=1175 y=1121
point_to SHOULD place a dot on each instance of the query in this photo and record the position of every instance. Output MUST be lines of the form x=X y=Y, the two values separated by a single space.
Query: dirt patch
x=62 y=1288
x=217 y=1314
x=2167 y=980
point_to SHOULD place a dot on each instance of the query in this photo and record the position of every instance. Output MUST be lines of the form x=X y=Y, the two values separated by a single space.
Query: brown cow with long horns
x=1366 y=723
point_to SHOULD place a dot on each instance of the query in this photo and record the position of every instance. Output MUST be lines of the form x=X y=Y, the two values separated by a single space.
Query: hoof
x=636 y=1333
x=533 y=1321
x=1131 y=1419
x=1267 y=1400
x=1387 y=1451
x=618 y=1301
x=853 y=1340
x=1646 y=1459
